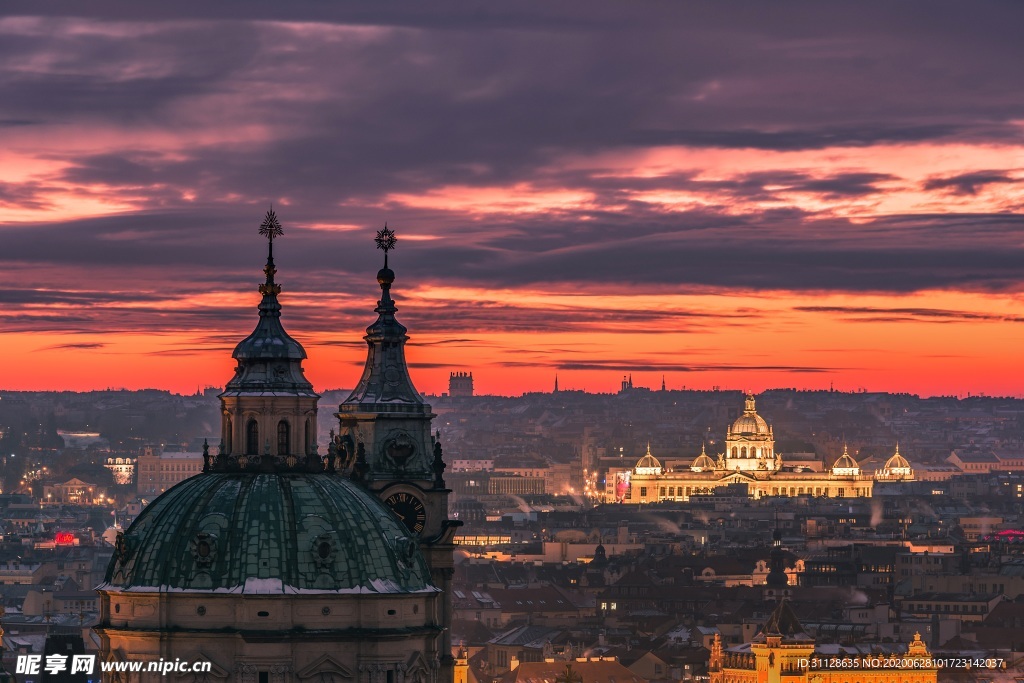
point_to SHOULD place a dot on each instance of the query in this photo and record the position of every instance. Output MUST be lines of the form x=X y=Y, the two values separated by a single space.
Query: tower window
x=252 y=437
x=283 y=437
x=308 y=436
x=264 y=677
x=227 y=435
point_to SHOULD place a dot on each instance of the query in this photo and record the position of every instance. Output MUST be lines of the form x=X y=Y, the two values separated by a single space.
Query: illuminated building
x=783 y=651
x=123 y=470
x=749 y=460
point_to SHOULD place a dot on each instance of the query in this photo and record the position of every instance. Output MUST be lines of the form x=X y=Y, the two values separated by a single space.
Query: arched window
x=309 y=436
x=227 y=435
x=283 y=438
x=252 y=437
x=753 y=452
x=735 y=452
x=743 y=452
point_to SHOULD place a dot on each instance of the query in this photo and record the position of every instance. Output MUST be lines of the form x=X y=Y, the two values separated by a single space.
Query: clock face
x=409 y=509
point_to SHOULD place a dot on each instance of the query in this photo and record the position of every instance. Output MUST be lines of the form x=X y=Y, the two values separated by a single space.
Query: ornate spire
x=385 y=381
x=261 y=430
x=269 y=359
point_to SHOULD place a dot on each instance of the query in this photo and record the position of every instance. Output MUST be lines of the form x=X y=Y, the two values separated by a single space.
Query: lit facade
x=750 y=460
x=782 y=651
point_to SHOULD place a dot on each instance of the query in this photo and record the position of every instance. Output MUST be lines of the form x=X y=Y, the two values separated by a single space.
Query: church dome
x=750 y=422
x=267 y=534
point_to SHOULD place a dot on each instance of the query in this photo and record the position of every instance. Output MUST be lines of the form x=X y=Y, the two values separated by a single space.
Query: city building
x=751 y=461
x=276 y=564
x=159 y=471
x=460 y=384
x=784 y=651
x=123 y=470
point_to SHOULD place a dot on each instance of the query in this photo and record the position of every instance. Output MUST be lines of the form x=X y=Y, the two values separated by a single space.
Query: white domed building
x=749 y=459
x=750 y=442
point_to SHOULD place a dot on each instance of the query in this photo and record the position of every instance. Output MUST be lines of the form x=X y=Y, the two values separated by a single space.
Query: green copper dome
x=267 y=533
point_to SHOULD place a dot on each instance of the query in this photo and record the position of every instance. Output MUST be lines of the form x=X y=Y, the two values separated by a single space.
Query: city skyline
x=747 y=198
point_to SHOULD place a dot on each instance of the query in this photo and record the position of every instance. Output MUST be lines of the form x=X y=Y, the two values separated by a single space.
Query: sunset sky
x=743 y=195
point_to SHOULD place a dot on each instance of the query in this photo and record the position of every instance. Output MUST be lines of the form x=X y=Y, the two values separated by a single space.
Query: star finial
x=271 y=227
x=385 y=240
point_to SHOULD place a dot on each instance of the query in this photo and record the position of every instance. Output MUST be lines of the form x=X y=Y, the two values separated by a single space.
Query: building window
x=308 y=436
x=283 y=437
x=227 y=435
x=264 y=677
x=643 y=491
x=252 y=437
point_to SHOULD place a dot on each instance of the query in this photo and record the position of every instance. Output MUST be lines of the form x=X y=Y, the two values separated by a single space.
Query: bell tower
x=268 y=409
x=385 y=443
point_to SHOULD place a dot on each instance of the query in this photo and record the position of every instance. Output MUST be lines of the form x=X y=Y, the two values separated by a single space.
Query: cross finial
x=385 y=240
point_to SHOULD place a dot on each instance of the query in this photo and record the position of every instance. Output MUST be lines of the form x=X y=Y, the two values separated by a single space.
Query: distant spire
x=663 y=382
x=648 y=448
x=556 y=382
